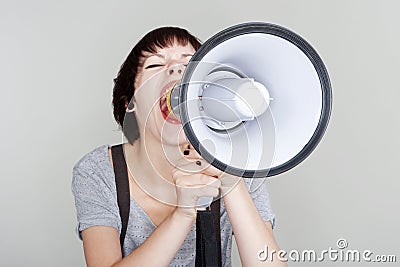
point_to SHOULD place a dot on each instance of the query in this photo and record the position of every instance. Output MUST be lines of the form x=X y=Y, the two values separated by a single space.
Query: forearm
x=251 y=232
x=163 y=244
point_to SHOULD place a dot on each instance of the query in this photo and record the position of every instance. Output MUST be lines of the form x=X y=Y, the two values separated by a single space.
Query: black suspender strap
x=208 y=237
x=215 y=210
x=122 y=184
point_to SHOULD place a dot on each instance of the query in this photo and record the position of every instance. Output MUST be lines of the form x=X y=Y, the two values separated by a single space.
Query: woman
x=166 y=175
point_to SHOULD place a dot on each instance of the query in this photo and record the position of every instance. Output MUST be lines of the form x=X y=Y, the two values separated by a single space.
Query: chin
x=173 y=135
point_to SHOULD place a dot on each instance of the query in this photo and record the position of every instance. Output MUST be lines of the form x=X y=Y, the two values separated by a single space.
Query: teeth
x=164 y=105
x=164 y=109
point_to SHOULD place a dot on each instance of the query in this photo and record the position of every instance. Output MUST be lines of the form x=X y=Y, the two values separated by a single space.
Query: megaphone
x=254 y=100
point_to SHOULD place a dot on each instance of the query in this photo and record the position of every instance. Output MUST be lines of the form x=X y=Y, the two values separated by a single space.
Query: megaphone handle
x=204 y=201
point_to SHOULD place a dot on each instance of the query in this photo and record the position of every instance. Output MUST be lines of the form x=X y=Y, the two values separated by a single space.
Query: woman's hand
x=191 y=185
x=194 y=178
x=228 y=181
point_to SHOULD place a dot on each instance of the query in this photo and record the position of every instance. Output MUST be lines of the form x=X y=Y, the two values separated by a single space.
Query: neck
x=150 y=163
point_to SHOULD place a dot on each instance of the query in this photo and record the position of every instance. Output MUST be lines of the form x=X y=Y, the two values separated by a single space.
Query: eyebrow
x=162 y=56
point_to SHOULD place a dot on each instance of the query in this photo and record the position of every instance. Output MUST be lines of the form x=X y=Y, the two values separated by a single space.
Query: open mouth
x=167 y=115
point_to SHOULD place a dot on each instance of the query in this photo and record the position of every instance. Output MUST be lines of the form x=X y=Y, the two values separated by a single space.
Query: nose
x=176 y=70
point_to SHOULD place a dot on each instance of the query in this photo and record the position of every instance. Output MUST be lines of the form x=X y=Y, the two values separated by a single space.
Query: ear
x=130 y=128
x=130 y=107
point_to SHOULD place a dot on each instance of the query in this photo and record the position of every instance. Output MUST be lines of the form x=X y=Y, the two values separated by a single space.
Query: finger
x=208 y=191
x=184 y=180
x=208 y=169
x=189 y=151
x=192 y=155
x=191 y=166
x=196 y=166
x=191 y=195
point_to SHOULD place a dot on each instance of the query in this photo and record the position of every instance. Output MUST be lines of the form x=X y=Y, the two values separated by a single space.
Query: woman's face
x=157 y=73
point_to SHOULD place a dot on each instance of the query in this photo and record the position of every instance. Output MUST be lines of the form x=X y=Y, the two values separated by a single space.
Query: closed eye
x=153 y=66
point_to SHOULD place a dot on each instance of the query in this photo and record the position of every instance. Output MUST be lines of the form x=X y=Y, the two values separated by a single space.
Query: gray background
x=57 y=62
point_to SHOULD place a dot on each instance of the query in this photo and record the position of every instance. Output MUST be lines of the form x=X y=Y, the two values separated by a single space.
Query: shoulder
x=91 y=161
x=94 y=191
x=93 y=170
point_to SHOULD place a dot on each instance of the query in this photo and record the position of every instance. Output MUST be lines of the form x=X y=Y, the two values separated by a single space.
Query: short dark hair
x=124 y=82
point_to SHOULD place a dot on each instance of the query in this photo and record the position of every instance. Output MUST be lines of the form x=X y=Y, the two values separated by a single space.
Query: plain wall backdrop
x=57 y=64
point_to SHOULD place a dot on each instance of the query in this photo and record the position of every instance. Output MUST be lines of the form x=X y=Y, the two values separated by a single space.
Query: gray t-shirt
x=93 y=186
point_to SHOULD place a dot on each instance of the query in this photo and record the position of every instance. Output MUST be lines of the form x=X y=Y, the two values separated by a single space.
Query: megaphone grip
x=204 y=201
